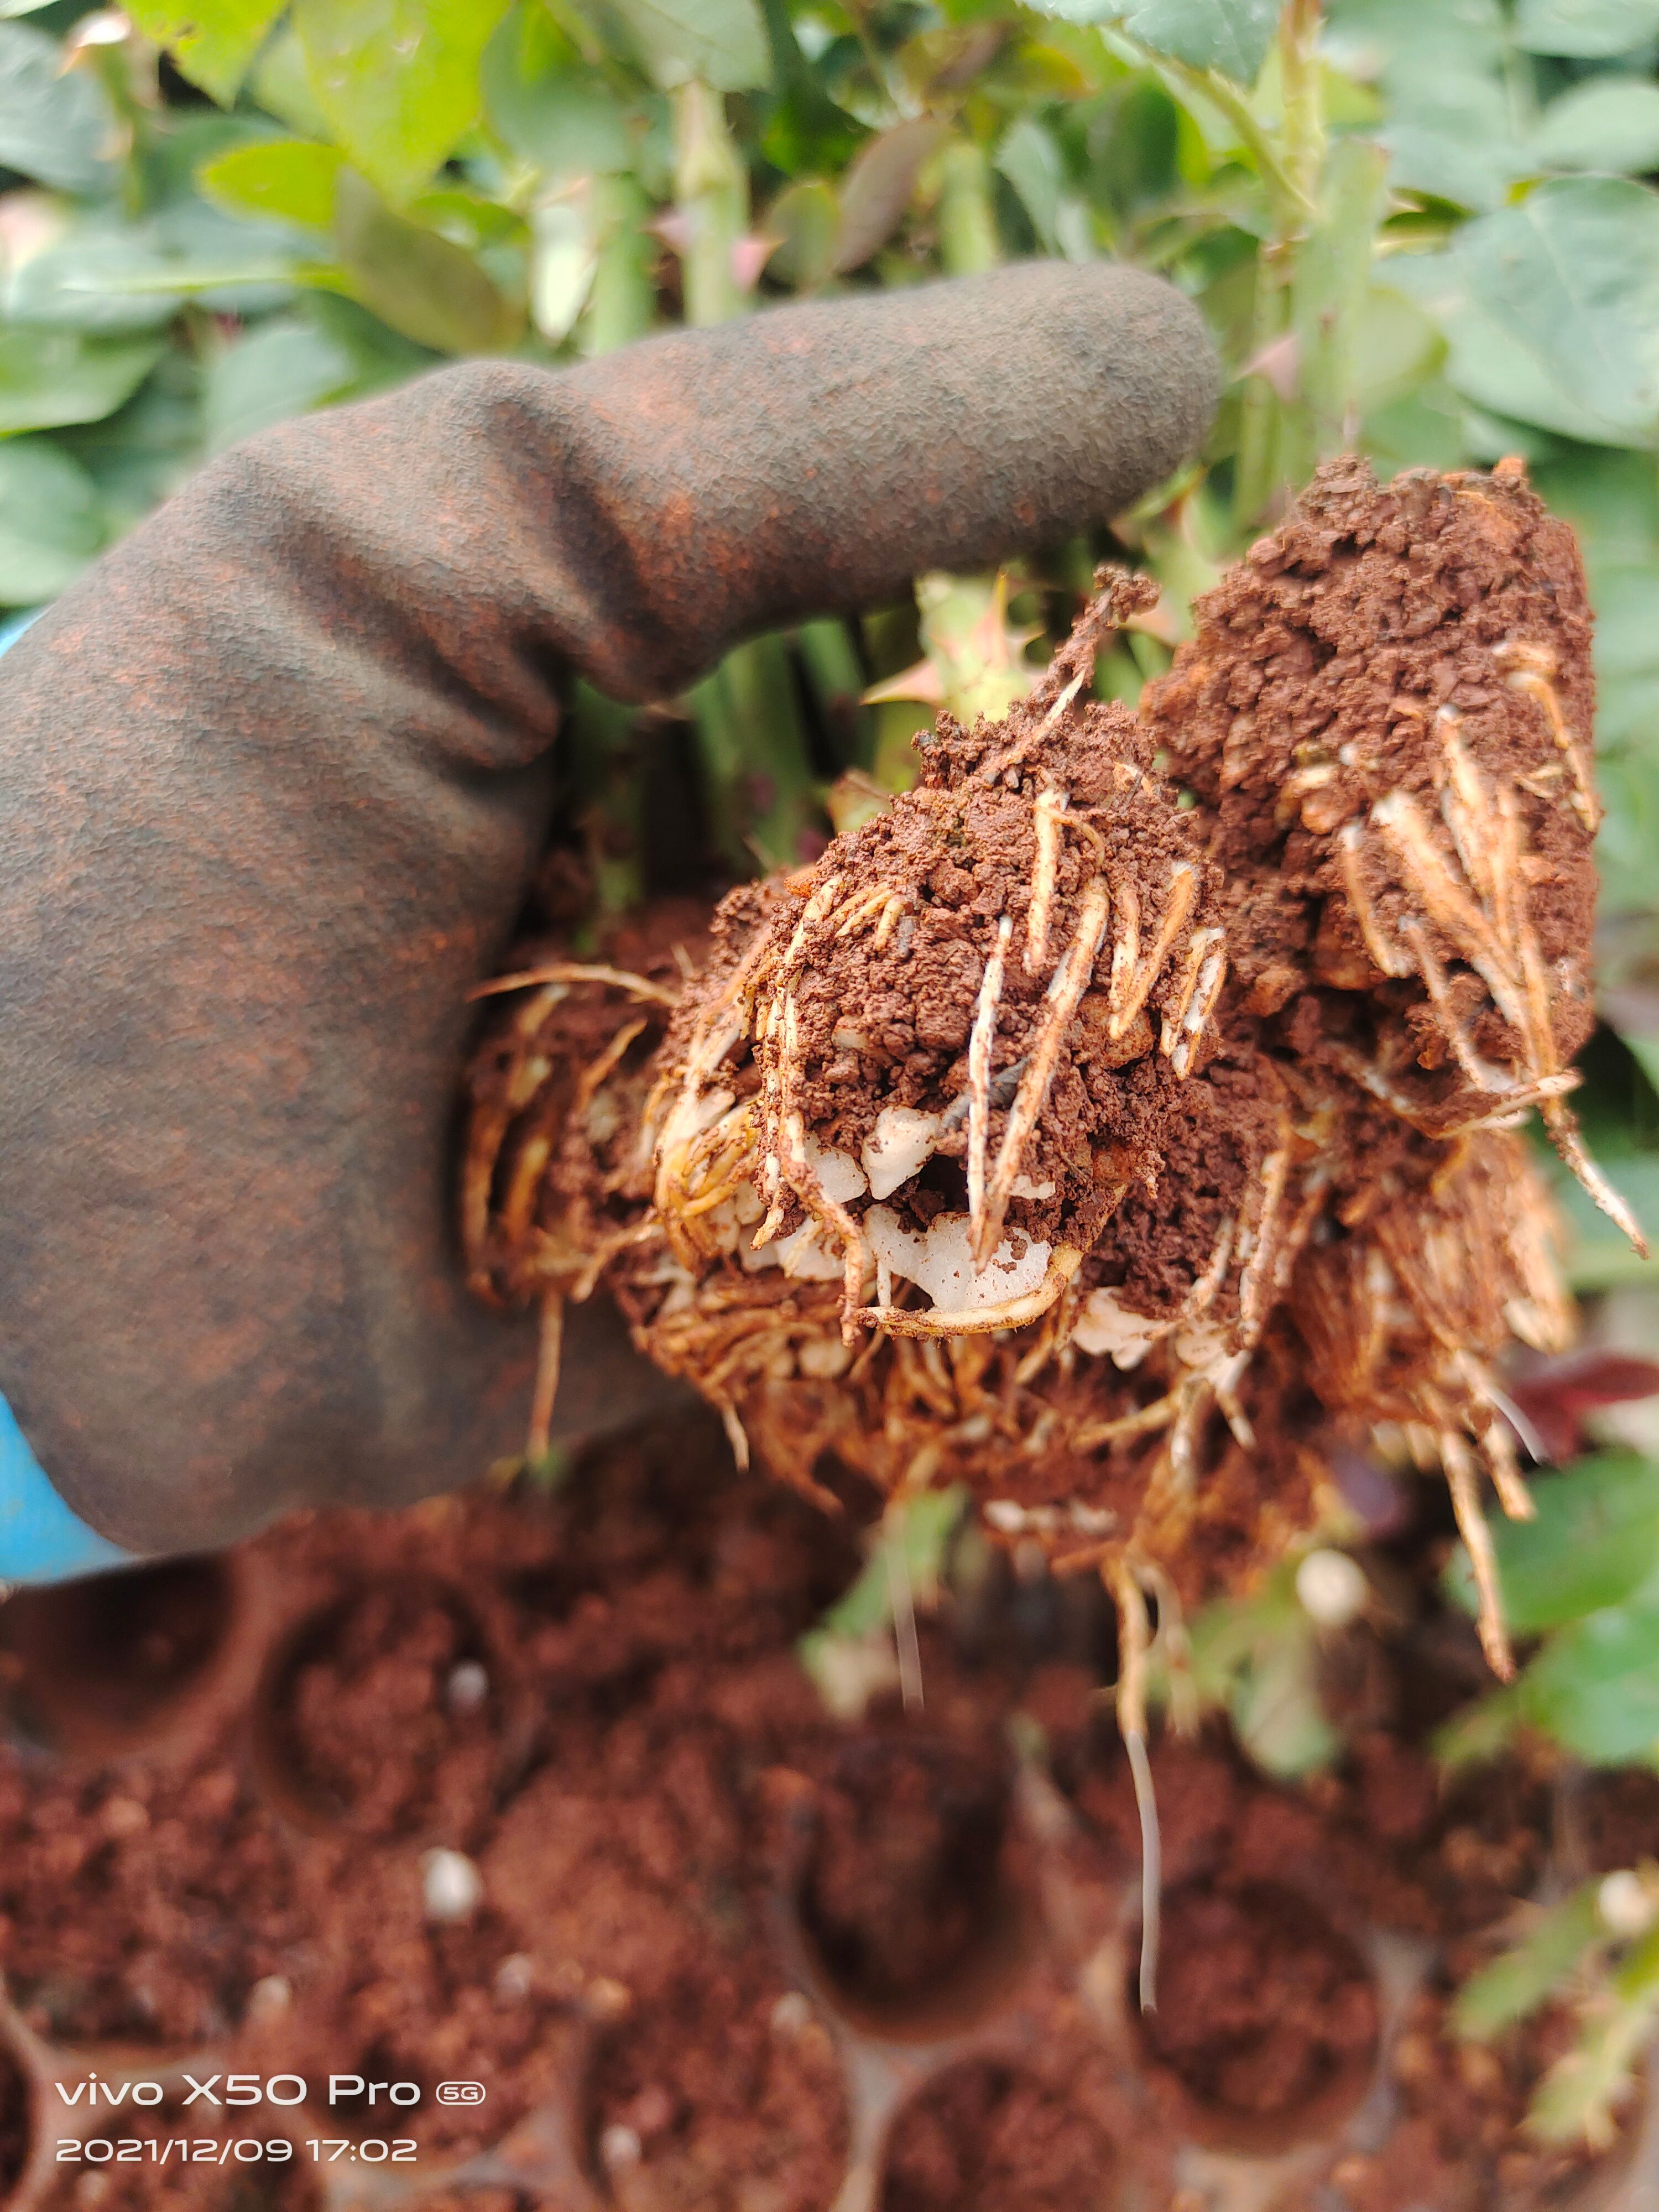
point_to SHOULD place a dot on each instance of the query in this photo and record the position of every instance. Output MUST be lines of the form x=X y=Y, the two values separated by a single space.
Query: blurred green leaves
x=50 y=522
x=1232 y=36
x=1610 y=123
x=1587 y=30
x=55 y=126
x=292 y=179
x=723 y=42
x=49 y=377
x=214 y=46
x=426 y=288
x=396 y=80
x=1584 y=1575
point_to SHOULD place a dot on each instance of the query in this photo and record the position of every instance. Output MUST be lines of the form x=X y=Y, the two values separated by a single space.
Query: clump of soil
x=1386 y=716
x=1119 y=1157
x=932 y=1060
x=963 y=1085
x=394 y=1657
x=1264 y=2010
x=182 y=1895
x=991 y=2138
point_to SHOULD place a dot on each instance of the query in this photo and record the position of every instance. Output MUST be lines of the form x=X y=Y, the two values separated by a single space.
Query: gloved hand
x=275 y=774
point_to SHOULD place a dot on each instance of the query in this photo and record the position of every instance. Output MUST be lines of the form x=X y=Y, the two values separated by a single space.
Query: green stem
x=622 y=305
x=1263 y=441
x=967 y=214
x=711 y=191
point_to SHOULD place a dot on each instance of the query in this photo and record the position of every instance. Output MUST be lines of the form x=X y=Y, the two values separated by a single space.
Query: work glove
x=274 y=778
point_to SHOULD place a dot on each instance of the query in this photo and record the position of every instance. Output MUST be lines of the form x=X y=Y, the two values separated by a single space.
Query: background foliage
x=1426 y=228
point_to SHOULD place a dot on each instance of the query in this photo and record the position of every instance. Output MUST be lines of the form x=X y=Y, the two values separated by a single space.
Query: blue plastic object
x=42 y=1540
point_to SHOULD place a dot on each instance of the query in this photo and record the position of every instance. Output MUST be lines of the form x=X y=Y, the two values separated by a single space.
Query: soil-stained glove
x=274 y=777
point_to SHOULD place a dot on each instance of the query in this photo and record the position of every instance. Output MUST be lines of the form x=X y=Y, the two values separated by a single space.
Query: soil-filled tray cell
x=167 y=2159
x=724 y=2095
x=1459 y=2141
x=112 y=1663
x=382 y=1715
x=1266 y=2016
x=904 y=1899
x=986 y=2137
x=16 y=2124
x=139 y=1903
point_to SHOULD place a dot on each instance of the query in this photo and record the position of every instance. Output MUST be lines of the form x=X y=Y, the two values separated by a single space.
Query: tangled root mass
x=1131 y=1110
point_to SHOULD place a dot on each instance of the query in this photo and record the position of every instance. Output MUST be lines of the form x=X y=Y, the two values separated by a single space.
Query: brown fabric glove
x=273 y=778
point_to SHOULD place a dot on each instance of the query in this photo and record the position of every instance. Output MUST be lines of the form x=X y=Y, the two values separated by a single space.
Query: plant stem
x=711 y=191
x=1258 y=469
x=622 y=305
x=966 y=215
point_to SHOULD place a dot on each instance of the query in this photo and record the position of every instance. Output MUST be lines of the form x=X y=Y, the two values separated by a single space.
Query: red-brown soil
x=1228 y=1955
x=399 y=1662
x=989 y=2138
x=16 y=2125
x=665 y=1799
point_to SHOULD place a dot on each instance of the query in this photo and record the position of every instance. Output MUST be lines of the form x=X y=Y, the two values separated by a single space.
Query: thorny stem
x=711 y=188
x=1255 y=468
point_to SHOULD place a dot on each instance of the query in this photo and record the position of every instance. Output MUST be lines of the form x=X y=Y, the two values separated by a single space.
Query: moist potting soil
x=573 y=1825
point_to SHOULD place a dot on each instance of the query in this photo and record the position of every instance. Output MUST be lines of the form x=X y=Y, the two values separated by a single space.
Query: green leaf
x=282 y=88
x=1558 y=320
x=1582 y=2093
x=878 y=185
x=1595 y=1687
x=1470 y=168
x=73 y=283
x=283 y=368
x=1594 y=1544
x=569 y=125
x=1232 y=36
x=214 y=42
x=55 y=126
x=49 y=377
x=107 y=276
x=1481 y=1732
x=721 y=41
x=423 y=286
x=1514 y=1986
x=1029 y=158
x=1588 y=30
x=50 y=524
x=805 y=220
x=1611 y=123
x=1276 y=1709
x=1598 y=1255
x=397 y=79
x=292 y=179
